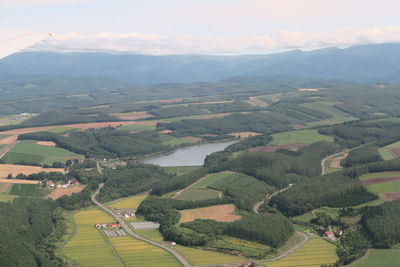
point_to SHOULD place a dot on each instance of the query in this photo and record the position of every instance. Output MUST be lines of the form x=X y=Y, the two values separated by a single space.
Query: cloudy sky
x=195 y=26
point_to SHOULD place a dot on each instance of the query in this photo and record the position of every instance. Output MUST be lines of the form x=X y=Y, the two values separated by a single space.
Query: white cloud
x=187 y=44
x=12 y=41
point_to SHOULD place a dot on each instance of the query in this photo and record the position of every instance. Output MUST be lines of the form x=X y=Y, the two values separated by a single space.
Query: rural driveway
x=124 y=225
x=268 y=197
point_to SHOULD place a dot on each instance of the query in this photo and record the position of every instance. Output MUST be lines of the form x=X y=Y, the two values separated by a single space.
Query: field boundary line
x=113 y=249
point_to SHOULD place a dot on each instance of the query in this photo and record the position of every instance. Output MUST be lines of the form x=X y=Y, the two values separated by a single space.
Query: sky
x=160 y=27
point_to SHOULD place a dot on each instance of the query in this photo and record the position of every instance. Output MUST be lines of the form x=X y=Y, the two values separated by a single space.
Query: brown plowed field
x=390 y=196
x=59 y=192
x=395 y=152
x=335 y=163
x=46 y=143
x=6 y=169
x=132 y=116
x=275 y=148
x=18 y=181
x=221 y=213
x=371 y=181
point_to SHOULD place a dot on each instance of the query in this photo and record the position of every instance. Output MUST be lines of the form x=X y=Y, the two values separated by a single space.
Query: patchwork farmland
x=385 y=183
x=314 y=253
x=221 y=213
x=14 y=170
x=299 y=137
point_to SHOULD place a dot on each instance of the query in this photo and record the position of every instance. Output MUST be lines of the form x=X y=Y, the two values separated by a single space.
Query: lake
x=188 y=156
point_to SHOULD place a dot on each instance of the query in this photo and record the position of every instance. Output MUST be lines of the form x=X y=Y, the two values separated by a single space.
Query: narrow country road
x=268 y=197
x=125 y=226
x=323 y=169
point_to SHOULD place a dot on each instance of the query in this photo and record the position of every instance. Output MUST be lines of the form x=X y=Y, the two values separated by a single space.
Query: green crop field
x=137 y=128
x=87 y=246
x=152 y=234
x=299 y=137
x=210 y=179
x=204 y=257
x=379 y=257
x=314 y=253
x=137 y=253
x=6 y=198
x=178 y=170
x=328 y=108
x=28 y=190
x=384 y=187
x=30 y=152
x=380 y=175
x=198 y=194
x=385 y=151
x=61 y=129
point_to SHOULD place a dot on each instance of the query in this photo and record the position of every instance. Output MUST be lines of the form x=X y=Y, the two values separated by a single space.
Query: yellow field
x=204 y=257
x=313 y=254
x=88 y=247
x=152 y=234
x=129 y=202
x=137 y=253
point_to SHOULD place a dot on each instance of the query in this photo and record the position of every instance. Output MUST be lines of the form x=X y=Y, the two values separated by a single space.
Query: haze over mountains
x=368 y=63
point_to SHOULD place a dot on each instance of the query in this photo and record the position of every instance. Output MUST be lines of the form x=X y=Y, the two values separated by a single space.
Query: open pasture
x=314 y=253
x=198 y=194
x=210 y=179
x=137 y=253
x=60 y=129
x=220 y=213
x=6 y=169
x=28 y=190
x=198 y=257
x=329 y=108
x=379 y=257
x=30 y=152
x=391 y=151
x=87 y=246
x=132 y=202
x=299 y=137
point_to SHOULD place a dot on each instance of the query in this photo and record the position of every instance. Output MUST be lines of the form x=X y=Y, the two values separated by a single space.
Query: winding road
x=323 y=169
x=127 y=229
x=268 y=197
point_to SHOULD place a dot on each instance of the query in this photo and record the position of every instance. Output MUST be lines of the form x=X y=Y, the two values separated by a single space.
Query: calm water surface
x=188 y=156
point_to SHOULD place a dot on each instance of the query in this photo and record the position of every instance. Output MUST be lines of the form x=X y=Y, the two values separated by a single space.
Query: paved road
x=268 y=197
x=124 y=225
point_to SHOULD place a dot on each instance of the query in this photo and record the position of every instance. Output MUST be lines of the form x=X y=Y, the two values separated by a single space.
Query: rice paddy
x=314 y=253
x=132 y=202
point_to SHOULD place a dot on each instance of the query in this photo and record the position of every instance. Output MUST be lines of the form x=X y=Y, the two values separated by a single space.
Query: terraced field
x=314 y=253
x=204 y=257
x=137 y=253
x=299 y=137
x=30 y=152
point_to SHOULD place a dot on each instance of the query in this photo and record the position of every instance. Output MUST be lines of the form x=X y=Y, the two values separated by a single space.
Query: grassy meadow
x=198 y=194
x=379 y=257
x=30 y=152
x=329 y=108
x=28 y=190
x=299 y=137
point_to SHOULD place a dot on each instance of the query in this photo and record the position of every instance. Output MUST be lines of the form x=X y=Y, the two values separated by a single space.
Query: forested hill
x=370 y=63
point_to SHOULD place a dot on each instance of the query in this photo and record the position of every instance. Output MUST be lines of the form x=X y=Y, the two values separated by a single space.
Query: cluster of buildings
x=107 y=225
x=125 y=213
x=52 y=185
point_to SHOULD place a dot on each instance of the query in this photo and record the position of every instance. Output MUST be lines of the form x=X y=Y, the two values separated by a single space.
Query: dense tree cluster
x=104 y=143
x=362 y=155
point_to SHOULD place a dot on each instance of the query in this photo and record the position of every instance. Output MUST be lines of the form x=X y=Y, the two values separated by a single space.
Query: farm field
x=198 y=194
x=6 y=198
x=210 y=179
x=137 y=128
x=60 y=129
x=30 y=152
x=87 y=246
x=204 y=257
x=314 y=253
x=6 y=169
x=5 y=187
x=299 y=137
x=328 y=108
x=152 y=234
x=59 y=192
x=132 y=116
x=379 y=257
x=383 y=183
x=221 y=213
x=137 y=253
x=178 y=170
x=390 y=151
x=132 y=202
x=28 y=190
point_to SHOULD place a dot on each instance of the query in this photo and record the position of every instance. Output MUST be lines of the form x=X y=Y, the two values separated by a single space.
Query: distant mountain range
x=368 y=63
